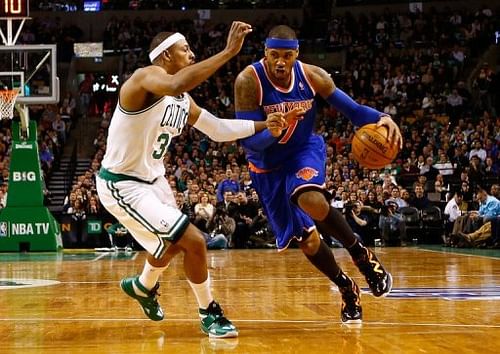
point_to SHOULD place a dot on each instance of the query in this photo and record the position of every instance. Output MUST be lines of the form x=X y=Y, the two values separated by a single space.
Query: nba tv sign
x=23 y=229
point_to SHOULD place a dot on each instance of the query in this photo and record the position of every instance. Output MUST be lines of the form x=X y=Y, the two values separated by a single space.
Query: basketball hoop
x=7 y=102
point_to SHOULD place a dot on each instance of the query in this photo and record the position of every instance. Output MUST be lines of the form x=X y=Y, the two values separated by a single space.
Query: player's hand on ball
x=393 y=133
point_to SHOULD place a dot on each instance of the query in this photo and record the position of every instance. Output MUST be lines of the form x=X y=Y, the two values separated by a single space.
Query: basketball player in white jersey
x=153 y=108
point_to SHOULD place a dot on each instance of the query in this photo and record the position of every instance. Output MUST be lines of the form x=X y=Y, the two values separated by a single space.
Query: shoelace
x=154 y=292
x=216 y=311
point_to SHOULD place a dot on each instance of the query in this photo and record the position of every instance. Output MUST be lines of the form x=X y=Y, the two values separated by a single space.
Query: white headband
x=167 y=43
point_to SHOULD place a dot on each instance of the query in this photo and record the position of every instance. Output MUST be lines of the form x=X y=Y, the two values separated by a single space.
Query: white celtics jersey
x=138 y=141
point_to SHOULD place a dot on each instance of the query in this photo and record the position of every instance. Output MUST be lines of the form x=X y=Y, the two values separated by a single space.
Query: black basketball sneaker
x=351 y=312
x=378 y=279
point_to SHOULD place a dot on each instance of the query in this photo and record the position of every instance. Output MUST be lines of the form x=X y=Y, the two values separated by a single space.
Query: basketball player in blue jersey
x=288 y=165
x=153 y=108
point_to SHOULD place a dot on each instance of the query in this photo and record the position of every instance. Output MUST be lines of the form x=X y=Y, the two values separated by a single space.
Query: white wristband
x=219 y=129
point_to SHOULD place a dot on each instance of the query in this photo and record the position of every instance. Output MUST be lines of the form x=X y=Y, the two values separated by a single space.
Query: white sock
x=202 y=293
x=149 y=277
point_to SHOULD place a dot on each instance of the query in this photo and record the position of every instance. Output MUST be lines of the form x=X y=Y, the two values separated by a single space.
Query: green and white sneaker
x=149 y=304
x=215 y=324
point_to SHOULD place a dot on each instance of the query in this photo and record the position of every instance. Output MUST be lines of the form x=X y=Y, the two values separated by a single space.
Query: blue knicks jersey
x=277 y=99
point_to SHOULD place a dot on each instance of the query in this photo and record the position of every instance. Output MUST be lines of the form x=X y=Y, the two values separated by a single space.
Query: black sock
x=357 y=250
x=336 y=225
x=325 y=262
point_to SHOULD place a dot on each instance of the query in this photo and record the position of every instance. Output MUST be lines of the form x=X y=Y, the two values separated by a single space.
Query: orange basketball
x=371 y=148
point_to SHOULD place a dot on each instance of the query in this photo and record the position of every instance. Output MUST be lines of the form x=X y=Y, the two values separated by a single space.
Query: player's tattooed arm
x=246 y=91
x=246 y=99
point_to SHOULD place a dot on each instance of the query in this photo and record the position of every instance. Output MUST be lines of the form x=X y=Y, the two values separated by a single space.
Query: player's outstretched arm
x=358 y=114
x=155 y=80
x=219 y=129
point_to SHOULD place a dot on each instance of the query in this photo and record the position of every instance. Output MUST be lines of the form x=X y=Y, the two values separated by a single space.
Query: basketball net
x=7 y=104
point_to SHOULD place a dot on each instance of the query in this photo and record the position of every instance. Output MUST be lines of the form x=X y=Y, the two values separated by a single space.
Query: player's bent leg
x=314 y=203
x=144 y=287
x=332 y=222
x=320 y=255
x=195 y=254
x=213 y=322
x=328 y=219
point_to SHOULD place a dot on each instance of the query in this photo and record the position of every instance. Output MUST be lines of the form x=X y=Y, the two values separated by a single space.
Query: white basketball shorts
x=148 y=211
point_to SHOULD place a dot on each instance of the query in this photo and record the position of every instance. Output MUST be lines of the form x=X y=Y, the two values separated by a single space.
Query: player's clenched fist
x=275 y=123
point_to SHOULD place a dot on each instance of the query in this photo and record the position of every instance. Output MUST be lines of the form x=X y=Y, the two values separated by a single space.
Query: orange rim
x=8 y=95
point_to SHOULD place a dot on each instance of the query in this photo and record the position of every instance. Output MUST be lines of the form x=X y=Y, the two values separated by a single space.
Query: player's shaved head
x=282 y=32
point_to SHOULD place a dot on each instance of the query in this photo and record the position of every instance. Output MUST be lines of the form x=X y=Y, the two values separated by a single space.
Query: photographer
x=358 y=221
x=223 y=224
x=392 y=225
x=260 y=235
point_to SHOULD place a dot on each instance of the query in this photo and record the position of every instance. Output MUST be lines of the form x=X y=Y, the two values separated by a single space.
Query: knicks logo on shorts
x=306 y=173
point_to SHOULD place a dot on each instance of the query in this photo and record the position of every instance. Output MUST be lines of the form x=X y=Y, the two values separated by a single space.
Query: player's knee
x=315 y=204
x=197 y=243
x=192 y=241
x=172 y=251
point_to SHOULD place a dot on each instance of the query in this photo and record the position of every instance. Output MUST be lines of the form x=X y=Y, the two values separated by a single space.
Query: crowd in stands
x=205 y=38
x=415 y=67
x=78 y=5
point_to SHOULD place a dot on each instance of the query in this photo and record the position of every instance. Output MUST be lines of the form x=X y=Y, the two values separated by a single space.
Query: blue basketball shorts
x=276 y=188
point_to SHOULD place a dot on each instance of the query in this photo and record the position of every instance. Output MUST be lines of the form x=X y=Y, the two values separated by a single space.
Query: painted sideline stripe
x=170 y=320
x=457 y=253
x=298 y=278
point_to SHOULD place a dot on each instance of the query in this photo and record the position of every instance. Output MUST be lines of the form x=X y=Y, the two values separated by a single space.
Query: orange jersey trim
x=256 y=169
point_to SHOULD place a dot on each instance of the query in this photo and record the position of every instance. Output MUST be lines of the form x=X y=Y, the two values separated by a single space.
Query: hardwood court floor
x=441 y=303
